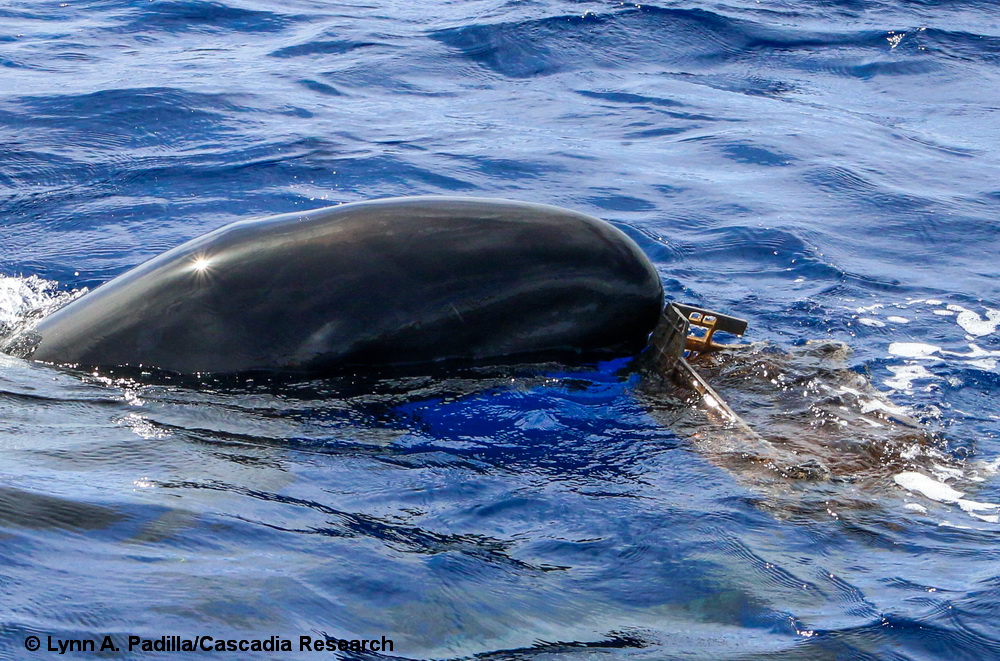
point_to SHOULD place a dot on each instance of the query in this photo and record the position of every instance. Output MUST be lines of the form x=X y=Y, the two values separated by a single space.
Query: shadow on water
x=24 y=509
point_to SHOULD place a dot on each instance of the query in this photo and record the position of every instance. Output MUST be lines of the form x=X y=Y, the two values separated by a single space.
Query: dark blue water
x=826 y=169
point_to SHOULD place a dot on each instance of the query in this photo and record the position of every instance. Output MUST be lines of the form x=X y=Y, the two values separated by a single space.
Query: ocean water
x=827 y=170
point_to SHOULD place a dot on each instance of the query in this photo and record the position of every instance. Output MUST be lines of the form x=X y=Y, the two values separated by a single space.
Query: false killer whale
x=398 y=281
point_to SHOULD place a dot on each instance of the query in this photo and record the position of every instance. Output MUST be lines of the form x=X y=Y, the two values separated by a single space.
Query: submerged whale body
x=399 y=281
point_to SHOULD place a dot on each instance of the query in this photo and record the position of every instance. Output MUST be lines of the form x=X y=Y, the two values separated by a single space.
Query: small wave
x=126 y=116
x=325 y=47
x=199 y=16
x=523 y=49
x=960 y=45
x=710 y=48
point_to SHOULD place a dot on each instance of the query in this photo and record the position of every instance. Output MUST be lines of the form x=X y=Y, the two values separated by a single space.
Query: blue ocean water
x=826 y=169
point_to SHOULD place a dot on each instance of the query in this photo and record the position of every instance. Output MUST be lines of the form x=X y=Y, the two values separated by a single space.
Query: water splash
x=23 y=301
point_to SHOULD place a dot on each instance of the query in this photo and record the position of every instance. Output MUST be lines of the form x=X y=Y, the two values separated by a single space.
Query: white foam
x=913 y=349
x=949 y=524
x=875 y=404
x=942 y=493
x=974 y=352
x=898 y=320
x=990 y=466
x=946 y=472
x=973 y=506
x=905 y=375
x=927 y=486
x=978 y=357
x=973 y=324
x=871 y=322
x=867 y=403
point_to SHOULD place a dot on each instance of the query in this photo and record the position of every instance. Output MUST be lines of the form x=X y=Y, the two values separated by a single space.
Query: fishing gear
x=684 y=331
